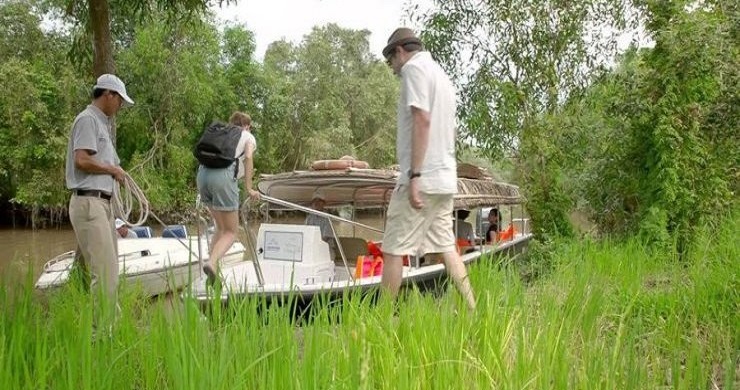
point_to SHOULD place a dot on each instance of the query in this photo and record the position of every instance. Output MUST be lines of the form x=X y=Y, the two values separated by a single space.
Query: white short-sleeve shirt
x=426 y=86
x=246 y=138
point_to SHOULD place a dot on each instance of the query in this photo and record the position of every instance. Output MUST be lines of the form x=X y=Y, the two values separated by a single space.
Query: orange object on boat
x=368 y=266
x=462 y=243
x=507 y=234
x=374 y=249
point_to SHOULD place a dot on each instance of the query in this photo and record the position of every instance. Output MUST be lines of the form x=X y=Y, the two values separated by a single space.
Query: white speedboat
x=157 y=264
x=291 y=260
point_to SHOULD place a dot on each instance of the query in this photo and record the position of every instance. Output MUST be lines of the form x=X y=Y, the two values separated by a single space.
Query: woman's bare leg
x=227 y=224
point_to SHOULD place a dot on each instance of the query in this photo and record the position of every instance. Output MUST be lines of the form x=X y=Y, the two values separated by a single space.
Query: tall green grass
x=608 y=316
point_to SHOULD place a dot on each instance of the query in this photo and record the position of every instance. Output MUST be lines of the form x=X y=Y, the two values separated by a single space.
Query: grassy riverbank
x=606 y=317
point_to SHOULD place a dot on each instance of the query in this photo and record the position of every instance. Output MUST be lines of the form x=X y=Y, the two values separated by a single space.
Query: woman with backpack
x=218 y=186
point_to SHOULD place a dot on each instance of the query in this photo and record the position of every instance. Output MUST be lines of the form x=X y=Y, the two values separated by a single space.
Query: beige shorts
x=409 y=231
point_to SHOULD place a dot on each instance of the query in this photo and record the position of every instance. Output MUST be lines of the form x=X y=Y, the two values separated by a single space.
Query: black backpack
x=217 y=146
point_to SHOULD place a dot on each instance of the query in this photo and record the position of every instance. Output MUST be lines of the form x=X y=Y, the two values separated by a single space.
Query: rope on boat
x=123 y=199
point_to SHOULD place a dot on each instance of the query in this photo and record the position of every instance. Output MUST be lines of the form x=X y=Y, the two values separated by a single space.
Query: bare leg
x=392 y=273
x=458 y=273
x=216 y=235
x=227 y=223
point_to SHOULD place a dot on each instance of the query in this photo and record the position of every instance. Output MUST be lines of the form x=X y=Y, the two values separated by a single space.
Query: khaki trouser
x=92 y=221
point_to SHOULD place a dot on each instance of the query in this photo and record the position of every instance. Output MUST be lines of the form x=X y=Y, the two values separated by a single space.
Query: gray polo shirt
x=91 y=131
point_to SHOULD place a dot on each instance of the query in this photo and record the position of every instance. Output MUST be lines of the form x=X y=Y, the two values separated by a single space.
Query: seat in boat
x=352 y=247
x=175 y=231
x=142 y=231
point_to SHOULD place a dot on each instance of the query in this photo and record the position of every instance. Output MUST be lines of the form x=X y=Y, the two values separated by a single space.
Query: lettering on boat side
x=285 y=246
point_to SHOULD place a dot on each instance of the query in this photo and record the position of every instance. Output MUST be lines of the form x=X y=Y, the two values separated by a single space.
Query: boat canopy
x=472 y=193
x=371 y=188
x=363 y=188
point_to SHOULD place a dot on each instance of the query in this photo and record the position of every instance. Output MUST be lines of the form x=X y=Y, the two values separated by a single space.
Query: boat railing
x=524 y=223
x=121 y=257
x=251 y=244
x=317 y=212
x=308 y=210
x=58 y=259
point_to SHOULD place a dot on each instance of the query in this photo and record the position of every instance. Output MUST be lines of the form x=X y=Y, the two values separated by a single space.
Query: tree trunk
x=102 y=44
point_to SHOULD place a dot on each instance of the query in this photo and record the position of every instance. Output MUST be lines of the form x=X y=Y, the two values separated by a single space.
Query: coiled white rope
x=124 y=198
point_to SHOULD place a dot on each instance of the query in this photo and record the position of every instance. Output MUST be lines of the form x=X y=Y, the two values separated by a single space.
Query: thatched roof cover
x=373 y=187
x=472 y=193
x=361 y=187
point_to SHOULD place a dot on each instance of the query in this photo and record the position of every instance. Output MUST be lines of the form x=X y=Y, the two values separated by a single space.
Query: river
x=25 y=250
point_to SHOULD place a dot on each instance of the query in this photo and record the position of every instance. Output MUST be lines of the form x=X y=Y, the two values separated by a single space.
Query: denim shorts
x=218 y=188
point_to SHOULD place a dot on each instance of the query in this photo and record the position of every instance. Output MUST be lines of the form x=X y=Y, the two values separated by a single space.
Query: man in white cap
x=123 y=230
x=92 y=165
x=419 y=214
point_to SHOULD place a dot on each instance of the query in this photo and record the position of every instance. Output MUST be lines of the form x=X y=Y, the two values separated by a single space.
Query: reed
x=608 y=316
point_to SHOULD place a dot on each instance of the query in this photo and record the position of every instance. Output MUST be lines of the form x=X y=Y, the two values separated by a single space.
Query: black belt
x=94 y=193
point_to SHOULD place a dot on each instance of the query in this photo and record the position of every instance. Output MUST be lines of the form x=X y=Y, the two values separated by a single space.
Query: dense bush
x=182 y=75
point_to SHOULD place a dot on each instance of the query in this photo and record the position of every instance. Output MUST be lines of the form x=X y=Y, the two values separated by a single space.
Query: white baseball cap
x=113 y=83
x=119 y=223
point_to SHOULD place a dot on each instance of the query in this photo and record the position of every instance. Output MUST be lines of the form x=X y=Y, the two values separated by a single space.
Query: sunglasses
x=389 y=59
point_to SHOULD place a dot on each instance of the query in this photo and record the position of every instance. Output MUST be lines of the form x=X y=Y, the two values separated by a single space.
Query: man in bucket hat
x=419 y=214
x=92 y=165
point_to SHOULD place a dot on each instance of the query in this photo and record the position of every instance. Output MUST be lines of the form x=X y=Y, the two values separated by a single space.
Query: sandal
x=212 y=278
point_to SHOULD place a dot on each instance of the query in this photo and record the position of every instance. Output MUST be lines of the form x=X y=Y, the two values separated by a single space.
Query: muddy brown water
x=26 y=250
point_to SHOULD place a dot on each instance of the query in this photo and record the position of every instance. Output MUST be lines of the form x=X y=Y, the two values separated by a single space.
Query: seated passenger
x=494 y=218
x=464 y=229
x=123 y=231
x=317 y=203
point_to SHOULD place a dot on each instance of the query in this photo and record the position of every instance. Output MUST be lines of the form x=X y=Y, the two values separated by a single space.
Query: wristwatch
x=413 y=175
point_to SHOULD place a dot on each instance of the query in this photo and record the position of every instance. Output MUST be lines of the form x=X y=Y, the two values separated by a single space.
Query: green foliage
x=324 y=98
x=514 y=60
x=35 y=112
x=20 y=32
x=648 y=148
x=515 y=63
x=176 y=78
x=685 y=177
x=340 y=98
x=654 y=142
x=548 y=204
x=99 y=27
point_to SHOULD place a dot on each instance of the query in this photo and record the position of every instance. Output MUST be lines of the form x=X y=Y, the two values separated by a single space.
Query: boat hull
x=155 y=265
x=240 y=281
